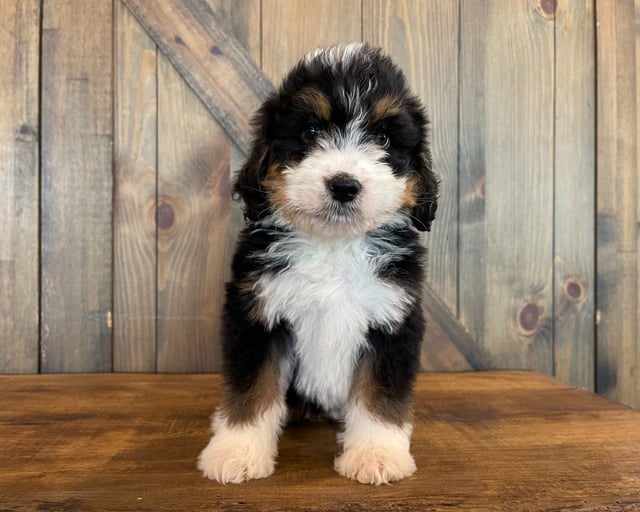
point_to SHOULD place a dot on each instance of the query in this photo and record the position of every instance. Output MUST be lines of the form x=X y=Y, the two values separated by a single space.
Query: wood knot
x=26 y=133
x=481 y=188
x=215 y=50
x=574 y=290
x=530 y=318
x=548 y=8
x=165 y=216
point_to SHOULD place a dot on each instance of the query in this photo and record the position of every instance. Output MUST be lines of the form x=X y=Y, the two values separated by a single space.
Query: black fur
x=407 y=265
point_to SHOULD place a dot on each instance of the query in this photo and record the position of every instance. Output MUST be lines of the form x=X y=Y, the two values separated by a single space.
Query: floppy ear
x=424 y=212
x=248 y=183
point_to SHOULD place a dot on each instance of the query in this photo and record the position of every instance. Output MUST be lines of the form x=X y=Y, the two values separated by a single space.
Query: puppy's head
x=341 y=148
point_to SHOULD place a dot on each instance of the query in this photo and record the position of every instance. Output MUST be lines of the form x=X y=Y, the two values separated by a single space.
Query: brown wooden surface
x=618 y=205
x=482 y=441
x=19 y=193
x=76 y=185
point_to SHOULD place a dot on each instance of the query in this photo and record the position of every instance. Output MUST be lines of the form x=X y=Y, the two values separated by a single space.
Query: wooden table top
x=482 y=441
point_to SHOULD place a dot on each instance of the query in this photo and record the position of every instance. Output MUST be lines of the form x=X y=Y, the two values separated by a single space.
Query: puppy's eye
x=310 y=133
x=382 y=140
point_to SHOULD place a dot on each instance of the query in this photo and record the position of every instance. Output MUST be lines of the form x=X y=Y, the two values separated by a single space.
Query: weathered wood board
x=618 y=205
x=76 y=186
x=19 y=186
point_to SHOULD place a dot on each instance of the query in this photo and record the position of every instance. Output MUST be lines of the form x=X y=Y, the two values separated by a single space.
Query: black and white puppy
x=323 y=309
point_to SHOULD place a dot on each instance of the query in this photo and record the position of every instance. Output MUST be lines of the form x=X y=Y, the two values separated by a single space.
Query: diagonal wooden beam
x=449 y=330
x=216 y=66
x=209 y=57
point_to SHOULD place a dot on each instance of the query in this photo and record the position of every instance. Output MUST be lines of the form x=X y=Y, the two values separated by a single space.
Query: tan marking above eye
x=316 y=100
x=386 y=107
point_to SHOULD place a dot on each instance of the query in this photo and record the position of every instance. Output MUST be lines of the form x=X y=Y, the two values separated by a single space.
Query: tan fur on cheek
x=275 y=185
x=410 y=194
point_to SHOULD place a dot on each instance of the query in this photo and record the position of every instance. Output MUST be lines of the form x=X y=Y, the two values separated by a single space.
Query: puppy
x=323 y=310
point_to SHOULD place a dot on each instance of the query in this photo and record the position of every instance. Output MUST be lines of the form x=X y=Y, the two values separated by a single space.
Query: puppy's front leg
x=375 y=441
x=248 y=424
x=375 y=451
x=377 y=423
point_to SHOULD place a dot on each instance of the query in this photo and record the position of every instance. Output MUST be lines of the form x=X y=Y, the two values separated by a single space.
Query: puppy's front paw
x=234 y=461
x=375 y=464
x=240 y=452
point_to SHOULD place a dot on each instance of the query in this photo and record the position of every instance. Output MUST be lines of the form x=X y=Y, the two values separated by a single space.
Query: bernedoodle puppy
x=323 y=309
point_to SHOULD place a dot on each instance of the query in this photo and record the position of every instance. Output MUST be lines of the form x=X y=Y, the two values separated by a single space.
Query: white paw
x=375 y=464
x=235 y=460
x=237 y=453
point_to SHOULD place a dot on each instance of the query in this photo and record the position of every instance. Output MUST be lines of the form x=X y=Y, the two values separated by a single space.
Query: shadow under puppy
x=323 y=307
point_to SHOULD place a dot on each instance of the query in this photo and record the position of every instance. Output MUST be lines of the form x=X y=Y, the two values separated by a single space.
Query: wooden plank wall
x=618 y=207
x=116 y=226
x=135 y=195
x=76 y=186
x=574 y=194
x=19 y=185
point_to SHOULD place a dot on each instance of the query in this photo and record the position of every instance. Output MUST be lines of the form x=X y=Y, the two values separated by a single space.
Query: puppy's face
x=341 y=148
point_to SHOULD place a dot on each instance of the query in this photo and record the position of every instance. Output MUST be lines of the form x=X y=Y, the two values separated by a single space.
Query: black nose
x=344 y=188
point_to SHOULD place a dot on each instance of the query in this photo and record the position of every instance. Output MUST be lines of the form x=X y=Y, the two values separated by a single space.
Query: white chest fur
x=330 y=295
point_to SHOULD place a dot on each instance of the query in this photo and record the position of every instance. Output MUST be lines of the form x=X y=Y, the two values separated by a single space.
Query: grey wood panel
x=19 y=194
x=76 y=227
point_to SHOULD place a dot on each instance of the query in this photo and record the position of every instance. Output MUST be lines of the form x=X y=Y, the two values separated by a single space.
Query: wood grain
x=191 y=295
x=574 y=184
x=482 y=442
x=618 y=206
x=422 y=38
x=519 y=99
x=447 y=345
x=194 y=197
x=291 y=29
x=76 y=227
x=472 y=180
x=243 y=19
x=196 y=42
x=19 y=195
x=135 y=176
x=524 y=290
